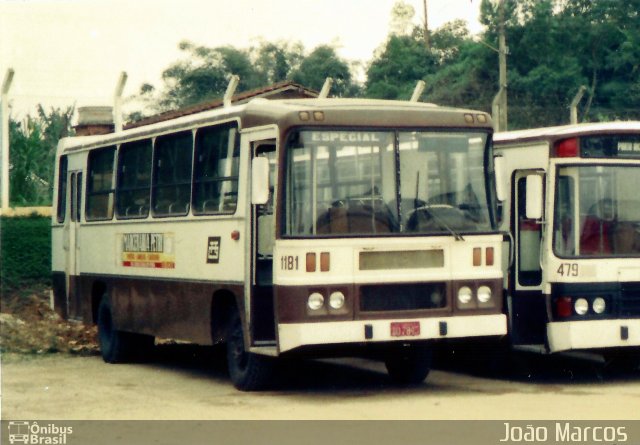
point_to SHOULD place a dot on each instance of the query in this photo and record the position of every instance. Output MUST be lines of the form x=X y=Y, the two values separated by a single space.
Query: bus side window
x=265 y=216
x=134 y=179
x=62 y=189
x=217 y=162
x=172 y=174
x=100 y=185
x=529 y=238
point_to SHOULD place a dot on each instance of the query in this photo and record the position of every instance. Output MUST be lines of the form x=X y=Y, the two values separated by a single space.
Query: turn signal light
x=564 y=307
x=489 y=256
x=311 y=262
x=477 y=256
x=325 y=262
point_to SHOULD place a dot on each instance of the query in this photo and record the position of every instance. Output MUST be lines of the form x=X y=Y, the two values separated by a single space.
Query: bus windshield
x=385 y=182
x=597 y=211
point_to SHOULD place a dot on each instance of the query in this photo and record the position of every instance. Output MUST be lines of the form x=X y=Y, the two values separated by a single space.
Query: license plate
x=405 y=328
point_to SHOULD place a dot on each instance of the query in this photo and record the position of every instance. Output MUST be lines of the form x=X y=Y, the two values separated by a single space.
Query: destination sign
x=610 y=146
x=346 y=136
x=149 y=250
x=142 y=242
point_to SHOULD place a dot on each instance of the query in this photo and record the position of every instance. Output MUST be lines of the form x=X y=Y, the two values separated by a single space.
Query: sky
x=71 y=52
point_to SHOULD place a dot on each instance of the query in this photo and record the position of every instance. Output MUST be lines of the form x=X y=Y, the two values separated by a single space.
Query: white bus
x=284 y=227
x=572 y=204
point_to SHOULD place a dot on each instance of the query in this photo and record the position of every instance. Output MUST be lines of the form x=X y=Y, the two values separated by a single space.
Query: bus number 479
x=568 y=270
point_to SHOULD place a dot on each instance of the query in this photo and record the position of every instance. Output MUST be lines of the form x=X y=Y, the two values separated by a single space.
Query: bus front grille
x=402 y=297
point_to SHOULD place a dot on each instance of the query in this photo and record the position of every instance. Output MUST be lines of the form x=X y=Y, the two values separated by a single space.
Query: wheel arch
x=223 y=303
x=98 y=290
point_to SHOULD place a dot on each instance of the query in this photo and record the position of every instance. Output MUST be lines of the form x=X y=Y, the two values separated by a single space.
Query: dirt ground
x=51 y=370
x=187 y=383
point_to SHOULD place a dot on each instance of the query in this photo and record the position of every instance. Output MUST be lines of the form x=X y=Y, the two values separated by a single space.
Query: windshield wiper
x=440 y=221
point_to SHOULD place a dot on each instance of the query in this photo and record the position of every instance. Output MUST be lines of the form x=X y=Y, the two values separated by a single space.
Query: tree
x=402 y=15
x=394 y=72
x=33 y=144
x=321 y=63
x=204 y=74
x=275 y=62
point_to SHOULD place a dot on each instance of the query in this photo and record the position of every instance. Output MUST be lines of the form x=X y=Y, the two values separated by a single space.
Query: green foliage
x=323 y=62
x=555 y=47
x=204 y=73
x=25 y=252
x=33 y=145
x=394 y=73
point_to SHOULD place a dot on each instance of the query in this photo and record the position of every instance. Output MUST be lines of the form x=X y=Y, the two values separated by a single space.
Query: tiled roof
x=283 y=89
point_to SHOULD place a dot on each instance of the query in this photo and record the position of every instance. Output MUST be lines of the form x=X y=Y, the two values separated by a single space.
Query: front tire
x=248 y=371
x=409 y=364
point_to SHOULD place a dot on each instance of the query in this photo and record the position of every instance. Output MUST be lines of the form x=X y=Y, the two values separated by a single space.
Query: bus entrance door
x=71 y=246
x=262 y=304
x=527 y=307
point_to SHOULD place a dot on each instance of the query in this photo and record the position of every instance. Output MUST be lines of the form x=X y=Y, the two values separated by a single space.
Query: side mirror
x=498 y=168
x=534 y=197
x=259 y=180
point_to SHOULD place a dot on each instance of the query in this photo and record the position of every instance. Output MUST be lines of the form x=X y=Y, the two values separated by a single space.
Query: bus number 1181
x=289 y=262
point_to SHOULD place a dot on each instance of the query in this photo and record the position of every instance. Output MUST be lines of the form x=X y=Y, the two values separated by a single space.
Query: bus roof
x=286 y=112
x=564 y=131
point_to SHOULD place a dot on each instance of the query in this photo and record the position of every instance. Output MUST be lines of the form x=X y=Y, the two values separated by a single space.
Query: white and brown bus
x=283 y=227
x=572 y=203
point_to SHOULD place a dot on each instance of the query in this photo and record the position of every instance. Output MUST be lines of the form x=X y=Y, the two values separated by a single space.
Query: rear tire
x=118 y=346
x=409 y=364
x=248 y=371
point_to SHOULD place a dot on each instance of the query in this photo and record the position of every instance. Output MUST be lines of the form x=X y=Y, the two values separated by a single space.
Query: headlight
x=436 y=298
x=464 y=295
x=315 y=301
x=599 y=305
x=336 y=300
x=484 y=294
x=581 y=306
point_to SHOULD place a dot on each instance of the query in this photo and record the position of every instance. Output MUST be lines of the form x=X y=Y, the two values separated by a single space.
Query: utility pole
x=427 y=40
x=4 y=137
x=502 y=59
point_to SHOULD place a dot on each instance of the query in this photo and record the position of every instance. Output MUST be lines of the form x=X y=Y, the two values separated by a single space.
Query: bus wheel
x=113 y=345
x=409 y=364
x=248 y=371
x=118 y=346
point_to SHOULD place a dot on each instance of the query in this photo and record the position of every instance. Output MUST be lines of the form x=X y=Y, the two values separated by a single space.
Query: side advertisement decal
x=152 y=250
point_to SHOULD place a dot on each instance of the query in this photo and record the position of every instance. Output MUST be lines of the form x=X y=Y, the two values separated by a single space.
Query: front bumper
x=294 y=335
x=593 y=334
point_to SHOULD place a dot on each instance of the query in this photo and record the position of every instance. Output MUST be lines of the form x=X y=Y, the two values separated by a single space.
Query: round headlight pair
x=465 y=294
x=581 y=305
x=316 y=300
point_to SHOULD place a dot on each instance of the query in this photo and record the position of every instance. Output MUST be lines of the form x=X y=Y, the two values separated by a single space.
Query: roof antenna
x=417 y=92
x=231 y=88
x=324 y=93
